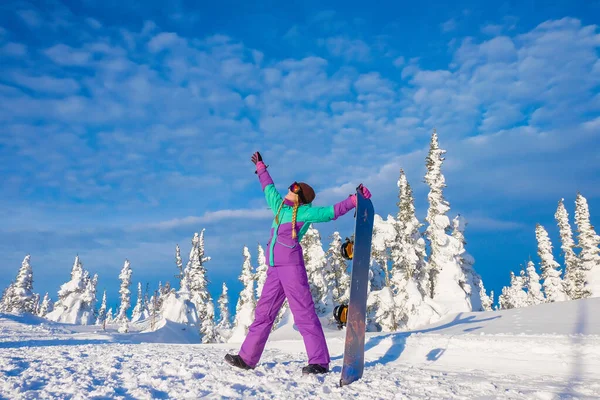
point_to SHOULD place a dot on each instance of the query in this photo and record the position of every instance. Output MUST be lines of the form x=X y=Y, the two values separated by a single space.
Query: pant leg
x=297 y=290
x=268 y=306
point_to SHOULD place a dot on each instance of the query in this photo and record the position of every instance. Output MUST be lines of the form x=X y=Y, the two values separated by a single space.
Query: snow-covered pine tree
x=384 y=234
x=337 y=271
x=553 y=285
x=486 y=301
x=315 y=262
x=36 y=302
x=46 y=306
x=198 y=284
x=445 y=272
x=473 y=284
x=89 y=300
x=110 y=317
x=382 y=307
x=6 y=298
x=244 y=310
x=136 y=315
x=125 y=278
x=534 y=288
x=408 y=249
x=588 y=280
x=19 y=296
x=224 y=325
x=74 y=304
x=179 y=263
x=261 y=271
x=513 y=296
x=567 y=246
x=101 y=320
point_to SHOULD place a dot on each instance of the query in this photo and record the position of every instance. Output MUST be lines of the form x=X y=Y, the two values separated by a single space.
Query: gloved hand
x=256 y=157
x=362 y=190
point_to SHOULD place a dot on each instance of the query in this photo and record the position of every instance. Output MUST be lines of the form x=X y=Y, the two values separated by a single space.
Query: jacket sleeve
x=272 y=196
x=325 y=214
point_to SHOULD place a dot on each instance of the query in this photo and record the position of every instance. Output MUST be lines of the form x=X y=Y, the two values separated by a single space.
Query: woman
x=286 y=276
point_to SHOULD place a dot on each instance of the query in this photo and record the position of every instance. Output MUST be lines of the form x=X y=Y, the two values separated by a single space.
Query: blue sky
x=125 y=129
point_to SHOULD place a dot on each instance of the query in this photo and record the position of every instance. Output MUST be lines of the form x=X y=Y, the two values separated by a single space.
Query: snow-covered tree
x=553 y=285
x=224 y=325
x=198 y=286
x=19 y=296
x=125 y=278
x=513 y=296
x=261 y=271
x=384 y=233
x=572 y=267
x=486 y=301
x=316 y=263
x=110 y=317
x=337 y=271
x=408 y=249
x=76 y=298
x=139 y=311
x=473 y=284
x=382 y=307
x=534 y=288
x=46 y=306
x=179 y=262
x=101 y=320
x=588 y=281
x=244 y=310
x=445 y=272
x=208 y=329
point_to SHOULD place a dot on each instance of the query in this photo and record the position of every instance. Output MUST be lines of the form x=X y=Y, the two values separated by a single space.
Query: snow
x=548 y=351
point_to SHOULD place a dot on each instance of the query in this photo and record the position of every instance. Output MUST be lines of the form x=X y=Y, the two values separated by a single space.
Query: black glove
x=256 y=157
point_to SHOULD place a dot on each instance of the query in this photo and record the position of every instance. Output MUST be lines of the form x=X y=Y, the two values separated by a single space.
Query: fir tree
x=513 y=296
x=315 y=262
x=445 y=272
x=180 y=275
x=70 y=306
x=46 y=306
x=101 y=320
x=337 y=271
x=125 y=277
x=383 y=235
x=208 y=329
x=198 y=285
x=88 y=299
x=408 y=248
x=244 y=310
x=382 y=306
x=534 y=288
x=572 y=267
x=473 y=284
x=587 y=282
x=553 y=285
x=224 y=325
x=110 y=318
x=136 y=315
x=261 y=271
x=486 y=301
x=19 y=296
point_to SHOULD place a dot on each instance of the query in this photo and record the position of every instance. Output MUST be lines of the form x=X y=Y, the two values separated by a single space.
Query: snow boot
x=314 y=369
x=236 y=361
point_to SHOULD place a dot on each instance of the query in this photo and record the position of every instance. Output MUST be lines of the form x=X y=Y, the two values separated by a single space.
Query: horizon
x=124 y=130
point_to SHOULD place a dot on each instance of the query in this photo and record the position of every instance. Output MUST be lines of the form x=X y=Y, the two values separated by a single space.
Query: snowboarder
x=286 y=276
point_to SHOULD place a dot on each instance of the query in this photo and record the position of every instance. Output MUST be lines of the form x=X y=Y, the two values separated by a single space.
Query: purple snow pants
x=288 y=281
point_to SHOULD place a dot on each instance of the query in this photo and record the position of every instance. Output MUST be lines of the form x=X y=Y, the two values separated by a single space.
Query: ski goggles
x=297 y=189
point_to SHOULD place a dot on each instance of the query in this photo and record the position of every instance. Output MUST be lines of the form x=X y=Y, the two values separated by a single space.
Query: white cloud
x=46 y=84
x=346 y=48
x=209 y=217
x=449 y=25
x=492 y=29
x=66 y=55
x=163 y=40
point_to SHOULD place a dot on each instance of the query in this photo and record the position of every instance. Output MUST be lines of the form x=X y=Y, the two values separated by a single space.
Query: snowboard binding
x=340 y=313
x=347 y=249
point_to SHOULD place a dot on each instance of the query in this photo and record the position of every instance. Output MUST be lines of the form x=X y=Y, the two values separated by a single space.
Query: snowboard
x=354 y=348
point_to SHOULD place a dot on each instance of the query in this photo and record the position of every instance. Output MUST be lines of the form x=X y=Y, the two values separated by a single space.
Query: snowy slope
x=542 y=352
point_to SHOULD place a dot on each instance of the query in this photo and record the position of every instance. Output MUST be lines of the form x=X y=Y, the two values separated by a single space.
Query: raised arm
x=272 y=196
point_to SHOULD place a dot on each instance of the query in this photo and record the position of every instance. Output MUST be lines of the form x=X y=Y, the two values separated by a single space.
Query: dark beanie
x=308 y=192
